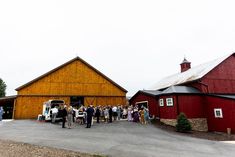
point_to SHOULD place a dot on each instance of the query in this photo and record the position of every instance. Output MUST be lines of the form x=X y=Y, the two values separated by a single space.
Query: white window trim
x=221 y=113
x=140 y=102
x=161 y=102
x=171 y=101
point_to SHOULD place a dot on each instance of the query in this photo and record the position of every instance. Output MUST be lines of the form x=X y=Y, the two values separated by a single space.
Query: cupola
x=185 y=65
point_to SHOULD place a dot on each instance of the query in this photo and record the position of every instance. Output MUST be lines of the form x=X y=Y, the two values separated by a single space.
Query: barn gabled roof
x=170 y=90
x=61 y=66
x=192 y=74
x=181 y=90
x=151 y=92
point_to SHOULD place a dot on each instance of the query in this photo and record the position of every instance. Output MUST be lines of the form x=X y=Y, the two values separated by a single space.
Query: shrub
x=183 y=125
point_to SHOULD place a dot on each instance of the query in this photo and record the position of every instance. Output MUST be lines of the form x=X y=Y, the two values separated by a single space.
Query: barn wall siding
x=168 y=112
x=228 y=111
x=73 y=79
x=222 y=78
x=28 y=107
x=192 y=105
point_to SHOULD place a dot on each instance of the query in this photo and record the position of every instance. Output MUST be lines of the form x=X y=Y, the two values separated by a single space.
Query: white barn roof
x=192 y=74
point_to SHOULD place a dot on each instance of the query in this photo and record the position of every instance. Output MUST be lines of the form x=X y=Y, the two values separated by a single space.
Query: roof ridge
x=192 y=74
x=66 y=63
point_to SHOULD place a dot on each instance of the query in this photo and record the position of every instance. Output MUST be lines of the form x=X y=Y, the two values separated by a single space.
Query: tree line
x=3 y=87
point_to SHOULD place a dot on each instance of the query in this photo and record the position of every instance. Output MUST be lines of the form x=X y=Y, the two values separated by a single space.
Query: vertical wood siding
x=228 y=111
x=28 y=107
x=74 y=79
x=222 y=78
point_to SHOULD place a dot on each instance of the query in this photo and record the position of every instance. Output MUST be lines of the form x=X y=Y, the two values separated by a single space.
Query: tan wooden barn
x=74 y=82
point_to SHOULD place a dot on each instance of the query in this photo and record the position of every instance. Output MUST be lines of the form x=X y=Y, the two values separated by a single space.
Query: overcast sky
x=135 y=43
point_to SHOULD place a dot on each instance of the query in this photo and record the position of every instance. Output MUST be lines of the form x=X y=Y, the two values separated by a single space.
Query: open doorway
x=142 y=104
x=76 y=101
x=8 y=106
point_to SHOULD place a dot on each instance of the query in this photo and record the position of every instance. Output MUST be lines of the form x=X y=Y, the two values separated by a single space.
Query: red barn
x=205 y=93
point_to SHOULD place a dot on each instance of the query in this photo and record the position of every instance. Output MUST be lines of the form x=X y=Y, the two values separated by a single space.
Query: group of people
x=107 y=114
x=138 y=114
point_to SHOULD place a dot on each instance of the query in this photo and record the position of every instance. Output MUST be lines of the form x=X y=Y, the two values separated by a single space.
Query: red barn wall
x=192 y=105
x=152 y=103
x=228 y=111
x=222 y=78
x=168 y=112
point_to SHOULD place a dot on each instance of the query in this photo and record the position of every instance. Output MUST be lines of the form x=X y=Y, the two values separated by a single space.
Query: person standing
x=70 y=117
x=1 y=113
x=97 y=114
x=146 y=115
x=90 y=112
x=106 y=114
x=124 y=113
x=114 y=109
x=141 y=113
x=64 y=115
x=110 y=114
x=129 y=116
x=119 y=112
x=135 y=115
x=54 y=114
x=101 y=113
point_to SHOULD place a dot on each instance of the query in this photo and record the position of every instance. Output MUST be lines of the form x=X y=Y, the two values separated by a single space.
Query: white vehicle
x=47 y=106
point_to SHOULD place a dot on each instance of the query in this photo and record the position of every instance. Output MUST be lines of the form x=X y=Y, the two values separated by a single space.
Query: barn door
x=77 y=101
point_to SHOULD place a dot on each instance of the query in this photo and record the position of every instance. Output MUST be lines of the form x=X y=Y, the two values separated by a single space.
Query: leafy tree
x=3 y=87
x=183 y=124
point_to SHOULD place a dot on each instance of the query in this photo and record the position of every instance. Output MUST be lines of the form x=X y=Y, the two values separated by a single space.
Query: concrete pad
x=119 y=139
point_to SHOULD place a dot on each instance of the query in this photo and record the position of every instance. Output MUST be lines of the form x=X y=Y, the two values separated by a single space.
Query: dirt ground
x=214 y=136
x=17 y=149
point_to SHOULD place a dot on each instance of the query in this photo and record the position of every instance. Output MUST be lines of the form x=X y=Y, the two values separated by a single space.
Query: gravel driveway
x=119 y=139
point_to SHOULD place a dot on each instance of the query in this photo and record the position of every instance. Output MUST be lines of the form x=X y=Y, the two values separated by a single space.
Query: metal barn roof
x=151 y=92
x=173 y=89
x=192 y=74
x=181 y=89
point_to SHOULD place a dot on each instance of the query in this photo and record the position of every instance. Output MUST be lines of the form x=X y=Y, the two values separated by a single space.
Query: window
x=218 y=113
x=161 y=102
x=169 y=101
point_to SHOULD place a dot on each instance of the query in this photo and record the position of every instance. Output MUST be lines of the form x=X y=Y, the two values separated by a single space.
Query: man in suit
x=97 y=114
x=110 y=114
x=64 y=115
x=90 y=112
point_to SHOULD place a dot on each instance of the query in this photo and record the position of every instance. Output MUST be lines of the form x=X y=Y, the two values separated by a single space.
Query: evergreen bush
x=183 y=124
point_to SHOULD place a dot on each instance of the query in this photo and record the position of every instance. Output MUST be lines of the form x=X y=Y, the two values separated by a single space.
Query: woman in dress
x=124 y=114
x=135 y=115
x=141 y=113
x=146 y=115
x=129 y=112
x=70 y=117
